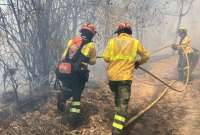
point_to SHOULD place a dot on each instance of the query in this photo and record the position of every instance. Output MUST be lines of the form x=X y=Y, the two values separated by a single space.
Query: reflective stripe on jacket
x=88 y=50
x=120 y=54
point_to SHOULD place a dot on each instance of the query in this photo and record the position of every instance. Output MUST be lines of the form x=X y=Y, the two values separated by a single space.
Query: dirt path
x=183 y=119
x=190 y=104
x=191 y=121
x=173 y=115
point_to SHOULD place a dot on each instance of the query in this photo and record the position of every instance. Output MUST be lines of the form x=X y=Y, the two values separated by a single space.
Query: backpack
x=72 y=61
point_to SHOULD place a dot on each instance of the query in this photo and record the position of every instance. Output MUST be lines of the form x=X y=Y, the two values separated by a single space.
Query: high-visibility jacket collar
x=124 y=34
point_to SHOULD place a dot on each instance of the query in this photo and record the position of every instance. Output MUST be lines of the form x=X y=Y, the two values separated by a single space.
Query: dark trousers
x=183 y=68
x=72 y=86
x=122 y=92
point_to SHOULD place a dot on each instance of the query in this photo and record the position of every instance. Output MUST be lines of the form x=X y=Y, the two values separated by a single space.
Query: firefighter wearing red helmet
x=120 y=54
x=124 y=28
x=73 y=71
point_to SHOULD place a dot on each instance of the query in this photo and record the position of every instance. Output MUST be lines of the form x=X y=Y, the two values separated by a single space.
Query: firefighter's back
x=123 y=53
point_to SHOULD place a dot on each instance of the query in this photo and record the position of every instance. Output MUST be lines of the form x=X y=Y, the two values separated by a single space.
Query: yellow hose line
x=150 y=106
x=188 y=70
x=186 y=85
x=187 y=61
x=157 y=78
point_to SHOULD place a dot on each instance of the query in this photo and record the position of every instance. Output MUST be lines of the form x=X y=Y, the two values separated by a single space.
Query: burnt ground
x=175 y=114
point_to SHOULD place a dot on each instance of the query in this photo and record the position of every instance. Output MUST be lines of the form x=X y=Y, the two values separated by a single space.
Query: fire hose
x=149 y=106
x=157 y=78
x=132 y=119
x=154 y=76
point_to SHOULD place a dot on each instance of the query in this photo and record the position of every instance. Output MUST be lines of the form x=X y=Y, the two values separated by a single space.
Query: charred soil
x=175 y=114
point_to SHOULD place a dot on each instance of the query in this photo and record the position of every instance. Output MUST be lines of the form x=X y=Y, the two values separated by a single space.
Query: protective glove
x=85 y=59
x=137 y=64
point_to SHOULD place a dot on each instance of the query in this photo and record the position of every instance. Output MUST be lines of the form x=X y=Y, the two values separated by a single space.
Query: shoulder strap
x=78 y=53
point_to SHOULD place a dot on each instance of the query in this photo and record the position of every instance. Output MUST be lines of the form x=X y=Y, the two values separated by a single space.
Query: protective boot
x=75 y=118
x=118 y=124
x=116 y=132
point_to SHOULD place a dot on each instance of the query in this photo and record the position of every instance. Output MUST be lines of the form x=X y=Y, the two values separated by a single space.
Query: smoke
x=159 y=36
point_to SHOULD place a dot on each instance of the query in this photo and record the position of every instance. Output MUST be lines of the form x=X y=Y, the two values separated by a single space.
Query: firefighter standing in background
x=184 y=49
x=73 y=70
x=120 y=54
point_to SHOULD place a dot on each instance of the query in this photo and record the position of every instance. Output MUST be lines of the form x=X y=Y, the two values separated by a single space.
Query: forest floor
x=176 y=114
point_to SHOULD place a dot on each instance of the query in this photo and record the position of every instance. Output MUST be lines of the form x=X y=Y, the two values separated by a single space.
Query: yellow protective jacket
x=120 y=54
x=186 y=45
x=88 y=50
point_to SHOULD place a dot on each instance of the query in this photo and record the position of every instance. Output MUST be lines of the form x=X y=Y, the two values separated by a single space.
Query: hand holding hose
x=137 y=64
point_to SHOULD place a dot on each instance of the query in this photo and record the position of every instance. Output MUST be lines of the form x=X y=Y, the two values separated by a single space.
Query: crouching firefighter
x=73 y=70
x=120 y=54
x=184 y=50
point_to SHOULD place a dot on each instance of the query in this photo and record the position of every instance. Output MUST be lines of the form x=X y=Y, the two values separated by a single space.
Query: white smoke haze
x=38 y=35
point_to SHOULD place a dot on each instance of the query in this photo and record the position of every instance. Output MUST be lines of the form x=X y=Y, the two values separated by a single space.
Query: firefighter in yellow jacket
x=184 y=49
x=120 y=54
x=73 y=71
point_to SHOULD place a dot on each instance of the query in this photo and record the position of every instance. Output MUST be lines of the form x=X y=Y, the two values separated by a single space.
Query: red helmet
x=122 y=26
x=89 y=26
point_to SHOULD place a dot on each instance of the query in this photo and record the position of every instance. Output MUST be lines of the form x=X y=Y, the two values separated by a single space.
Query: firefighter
x=120 y=54
x=184 y=49
x=73 y=70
